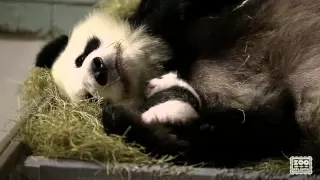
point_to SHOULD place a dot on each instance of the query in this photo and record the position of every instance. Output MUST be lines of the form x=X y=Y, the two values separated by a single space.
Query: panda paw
x=115 y=119
x=150 y=117
x=168 y=114
x=121 y=121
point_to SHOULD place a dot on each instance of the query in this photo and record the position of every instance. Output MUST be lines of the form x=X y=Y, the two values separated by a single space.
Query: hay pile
x=54 y=127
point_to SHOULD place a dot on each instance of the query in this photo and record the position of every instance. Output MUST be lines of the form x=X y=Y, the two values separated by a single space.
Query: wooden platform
x=16 y=163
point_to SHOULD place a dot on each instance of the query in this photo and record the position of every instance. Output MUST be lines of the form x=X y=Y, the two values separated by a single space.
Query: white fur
x=170 y=111
x=168 y=80
x=141 y=55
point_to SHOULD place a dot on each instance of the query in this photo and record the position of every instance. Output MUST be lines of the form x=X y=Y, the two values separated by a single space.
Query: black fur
x=231 y=136
x=166 y=19
x=92 y=45
x=49 y=53
x=121 y=121
x=172 y=93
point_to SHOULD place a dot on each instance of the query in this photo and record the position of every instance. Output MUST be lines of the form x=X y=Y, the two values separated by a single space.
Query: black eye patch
x=92 y=45
x=80 y=59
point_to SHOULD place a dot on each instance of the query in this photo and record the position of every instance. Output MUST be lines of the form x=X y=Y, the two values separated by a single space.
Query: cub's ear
x=50 y=52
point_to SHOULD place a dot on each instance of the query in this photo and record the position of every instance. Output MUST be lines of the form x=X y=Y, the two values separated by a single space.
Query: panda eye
x=79 y=60
x=91 y=45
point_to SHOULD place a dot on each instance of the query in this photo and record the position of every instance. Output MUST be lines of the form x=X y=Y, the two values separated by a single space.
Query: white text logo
x=301 y=165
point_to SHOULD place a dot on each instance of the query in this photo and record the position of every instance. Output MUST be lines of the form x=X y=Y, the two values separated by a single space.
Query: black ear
x=49 y=53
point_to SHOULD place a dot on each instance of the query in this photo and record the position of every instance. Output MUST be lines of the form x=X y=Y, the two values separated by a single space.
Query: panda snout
x=100 y=71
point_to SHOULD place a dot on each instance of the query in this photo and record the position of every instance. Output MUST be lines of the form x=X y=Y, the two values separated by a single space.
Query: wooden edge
x=13 y=157
x=11 y=150
x=9 y=137
x=41 y=168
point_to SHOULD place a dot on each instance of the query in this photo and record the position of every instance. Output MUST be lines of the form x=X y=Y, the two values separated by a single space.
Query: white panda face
x=106 y=56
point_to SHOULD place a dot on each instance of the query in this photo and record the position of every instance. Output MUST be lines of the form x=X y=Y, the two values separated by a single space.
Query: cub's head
x=104 y=55
x=113 y=53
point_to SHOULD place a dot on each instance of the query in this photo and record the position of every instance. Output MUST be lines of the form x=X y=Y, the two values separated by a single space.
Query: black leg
x=229 y=136
x=121 y=121
x=224 y=137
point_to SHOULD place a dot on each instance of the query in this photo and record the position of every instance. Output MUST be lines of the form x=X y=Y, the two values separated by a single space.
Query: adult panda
x=256 y=68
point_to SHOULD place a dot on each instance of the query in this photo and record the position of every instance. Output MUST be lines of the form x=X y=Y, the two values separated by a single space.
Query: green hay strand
x=269 y=165
x=119 y=8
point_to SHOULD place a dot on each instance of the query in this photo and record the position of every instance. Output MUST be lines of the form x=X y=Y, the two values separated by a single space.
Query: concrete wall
x=42 y=17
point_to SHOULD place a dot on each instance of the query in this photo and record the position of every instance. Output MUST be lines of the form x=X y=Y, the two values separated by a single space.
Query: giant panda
x=255 y=64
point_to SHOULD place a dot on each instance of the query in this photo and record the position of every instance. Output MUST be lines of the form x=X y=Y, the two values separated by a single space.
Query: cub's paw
x=169 y=113
x=115 y=119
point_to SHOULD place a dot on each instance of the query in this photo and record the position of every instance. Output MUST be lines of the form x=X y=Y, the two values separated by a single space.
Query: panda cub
x=170 y=100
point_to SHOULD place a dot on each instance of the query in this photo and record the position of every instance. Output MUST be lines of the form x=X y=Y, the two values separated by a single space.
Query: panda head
x=104 y=55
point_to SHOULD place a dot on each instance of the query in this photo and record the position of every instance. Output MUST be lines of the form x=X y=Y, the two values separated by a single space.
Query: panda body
x=256 y=68
x=170 y=100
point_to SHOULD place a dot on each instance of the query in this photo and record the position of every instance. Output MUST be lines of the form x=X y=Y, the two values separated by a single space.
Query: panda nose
x=100 y=71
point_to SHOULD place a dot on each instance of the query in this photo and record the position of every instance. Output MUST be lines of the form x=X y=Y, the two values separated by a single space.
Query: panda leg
x=222 y=136
x=122 y=121
x=229 y=136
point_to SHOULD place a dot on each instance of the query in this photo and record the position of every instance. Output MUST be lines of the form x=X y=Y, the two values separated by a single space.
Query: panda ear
x=50 y=52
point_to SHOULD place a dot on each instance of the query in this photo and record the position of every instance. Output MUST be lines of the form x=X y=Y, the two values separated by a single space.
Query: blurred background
x=25 y=25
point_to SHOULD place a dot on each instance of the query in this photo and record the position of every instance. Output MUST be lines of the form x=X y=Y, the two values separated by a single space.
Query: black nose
x=97 y=63
x=100 y=71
